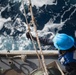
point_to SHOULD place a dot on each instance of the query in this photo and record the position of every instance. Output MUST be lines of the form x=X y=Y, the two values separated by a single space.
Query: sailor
x=67 y=50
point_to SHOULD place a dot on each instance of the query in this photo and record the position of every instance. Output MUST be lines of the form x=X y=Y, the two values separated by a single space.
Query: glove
x=28 y=35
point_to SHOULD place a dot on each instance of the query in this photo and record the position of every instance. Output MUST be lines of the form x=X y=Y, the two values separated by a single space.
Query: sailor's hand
x=28 y=35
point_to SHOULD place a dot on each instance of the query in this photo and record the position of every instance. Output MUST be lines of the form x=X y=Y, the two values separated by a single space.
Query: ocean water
x=51 y=16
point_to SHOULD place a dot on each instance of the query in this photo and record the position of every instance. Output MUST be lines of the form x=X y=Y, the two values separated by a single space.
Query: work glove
x=28 y=35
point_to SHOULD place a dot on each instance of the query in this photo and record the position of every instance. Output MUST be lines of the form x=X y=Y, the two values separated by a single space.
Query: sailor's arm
x=45 y=41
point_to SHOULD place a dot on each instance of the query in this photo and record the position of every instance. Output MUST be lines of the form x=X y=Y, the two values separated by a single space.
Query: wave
x=52 y=16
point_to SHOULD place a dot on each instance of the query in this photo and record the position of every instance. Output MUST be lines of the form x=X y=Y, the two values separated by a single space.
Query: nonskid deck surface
x=20 y=67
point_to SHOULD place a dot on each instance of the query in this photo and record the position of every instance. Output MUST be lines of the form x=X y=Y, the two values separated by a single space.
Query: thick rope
x=40 y=62
x=25 y=15
x=38 y=41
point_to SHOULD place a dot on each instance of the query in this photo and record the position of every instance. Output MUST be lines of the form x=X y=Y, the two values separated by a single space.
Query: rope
x=33 y=22
x=22 y=1
x=40 y=62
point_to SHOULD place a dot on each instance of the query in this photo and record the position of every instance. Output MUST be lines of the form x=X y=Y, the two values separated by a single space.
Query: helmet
x=63 y=41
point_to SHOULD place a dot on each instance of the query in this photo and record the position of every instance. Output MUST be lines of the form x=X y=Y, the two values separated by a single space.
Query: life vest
x=68 y=58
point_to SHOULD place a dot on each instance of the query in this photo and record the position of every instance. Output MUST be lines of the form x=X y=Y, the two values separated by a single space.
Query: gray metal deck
x=26 y=66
